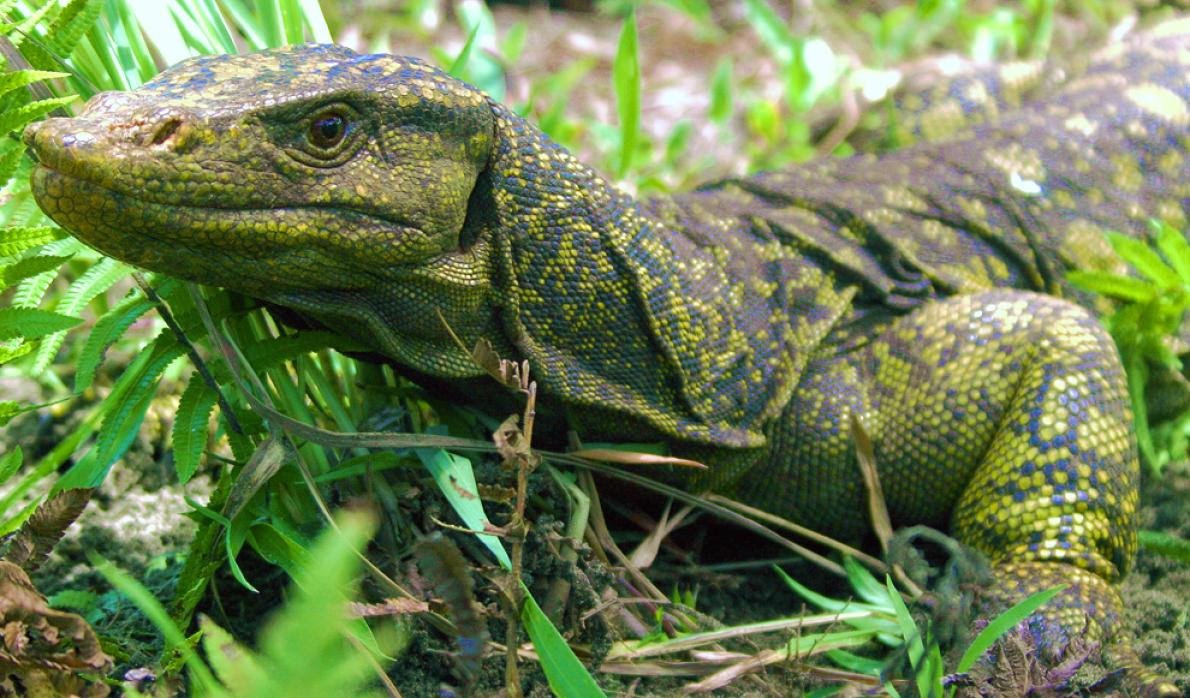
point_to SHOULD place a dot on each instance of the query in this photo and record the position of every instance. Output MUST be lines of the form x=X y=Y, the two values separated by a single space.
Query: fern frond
x=96 y=280
x=10 y=159
x=190 y=426
x=30 y=266
x=69 y=27
x=26 y=27
x=30 y=292
x=20 y=78
x=6 y=7
x=32 y=323
x=20 y=210
x=110 y=327
x=17 y=239
x=18 y=118
x=123 y=418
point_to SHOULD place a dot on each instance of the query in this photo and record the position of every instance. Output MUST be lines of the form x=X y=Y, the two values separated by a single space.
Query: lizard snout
x=166 y=128
x=136 y=124
x=45 y=139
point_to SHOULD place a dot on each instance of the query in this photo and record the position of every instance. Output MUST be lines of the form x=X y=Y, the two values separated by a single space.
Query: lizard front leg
x=1014 y=405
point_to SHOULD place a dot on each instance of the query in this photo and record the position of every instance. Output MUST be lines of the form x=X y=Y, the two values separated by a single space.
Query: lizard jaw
x=208 y=245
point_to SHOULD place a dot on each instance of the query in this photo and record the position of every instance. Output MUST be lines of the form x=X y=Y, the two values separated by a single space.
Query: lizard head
x=345 y=186
x=291 y=169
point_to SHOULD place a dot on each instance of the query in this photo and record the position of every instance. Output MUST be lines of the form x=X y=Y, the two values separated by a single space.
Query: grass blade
x=626 y=77
x=1003 y=623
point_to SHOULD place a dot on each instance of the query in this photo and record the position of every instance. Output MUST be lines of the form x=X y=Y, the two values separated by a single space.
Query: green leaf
x=10 y=408
x=12 y=524
x=626 y=78
x=14 y=119
x=771 y=29
x=24 y=29
x=1174 y=246
x=17 y=239
x=9 y=352
x=10 y=463
x=1136 y=373
x=68 y=27
x=1113 y=285
x=106 y=331
x=513 y=44
x=1144 y=259
x=459 y=66
x=566 y=674
x=291 y=22
x=30 y=266
x=312 y=13
x=32 y=323
x=1003 y=623
x=865 y=584
x=235 y=665
x=32 y=292
x=155 y=21
x=909 y=632
x=96 y=280
x=1165 y=544
x=75 y=599
x=276 y=350
x=678 y=141
x=123 y=412
x=456 y=480
x=856 y=663
x=10 y=160
x=190 y=426
x=822 y=601
x=721 y=101
x=322 y=663
x=278 y=548
x=21 y=78
x=481 y=69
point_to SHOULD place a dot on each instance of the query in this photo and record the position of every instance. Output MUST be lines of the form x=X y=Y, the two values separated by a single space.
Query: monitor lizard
x=921 y=292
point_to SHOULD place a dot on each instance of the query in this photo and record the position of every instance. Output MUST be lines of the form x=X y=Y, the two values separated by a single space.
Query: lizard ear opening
x=481 y=212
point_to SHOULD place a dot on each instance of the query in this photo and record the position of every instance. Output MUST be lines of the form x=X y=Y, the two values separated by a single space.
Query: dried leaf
x=265 y=462
x=497 y=493
x=388 y=607
x=611 y=455
x=486 y=358
x=512 y=445
x=1018 y=671
x=38 y=536
x=44 y=648
x=443 y=565
x=510 y=374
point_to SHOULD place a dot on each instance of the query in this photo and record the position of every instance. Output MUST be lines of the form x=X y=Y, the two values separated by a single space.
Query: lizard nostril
x=166 y=130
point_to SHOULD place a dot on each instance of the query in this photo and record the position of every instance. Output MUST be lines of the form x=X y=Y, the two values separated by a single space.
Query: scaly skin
x=745 y=323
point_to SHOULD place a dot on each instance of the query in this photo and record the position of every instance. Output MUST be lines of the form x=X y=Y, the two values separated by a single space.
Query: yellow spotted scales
x=746 y=322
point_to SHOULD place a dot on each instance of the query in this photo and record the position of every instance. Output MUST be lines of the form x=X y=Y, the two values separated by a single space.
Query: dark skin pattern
x=746 y=323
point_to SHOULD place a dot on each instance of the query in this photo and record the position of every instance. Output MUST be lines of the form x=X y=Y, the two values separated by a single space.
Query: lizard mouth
x=256 y=250
x=103 y=217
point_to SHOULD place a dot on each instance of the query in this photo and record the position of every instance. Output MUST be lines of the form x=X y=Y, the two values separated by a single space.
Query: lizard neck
x=699 y=331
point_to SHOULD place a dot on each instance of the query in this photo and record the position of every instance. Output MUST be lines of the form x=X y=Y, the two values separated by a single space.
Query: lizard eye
x=327 y=130
x=328 y=136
